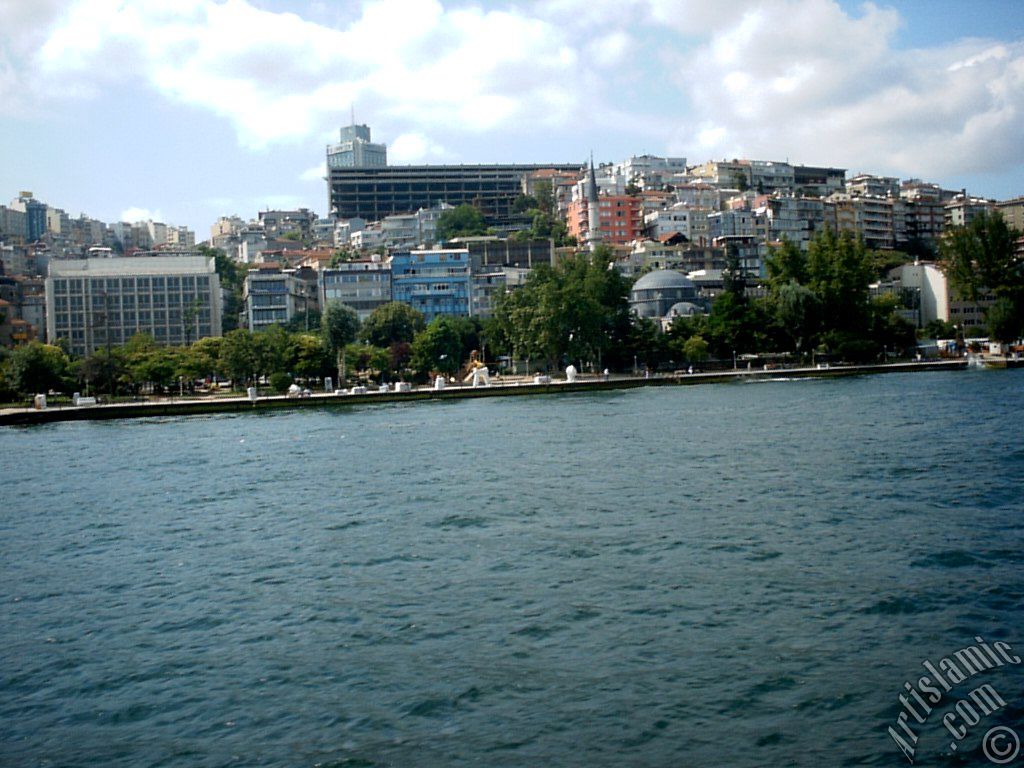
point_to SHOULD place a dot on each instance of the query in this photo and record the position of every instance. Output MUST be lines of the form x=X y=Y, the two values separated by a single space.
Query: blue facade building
x=436 y=282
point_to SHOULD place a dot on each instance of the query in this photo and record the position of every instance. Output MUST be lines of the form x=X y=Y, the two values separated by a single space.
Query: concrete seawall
x=200 y=406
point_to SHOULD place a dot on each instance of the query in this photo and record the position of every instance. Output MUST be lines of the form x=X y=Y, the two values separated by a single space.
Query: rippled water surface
x=736 y=574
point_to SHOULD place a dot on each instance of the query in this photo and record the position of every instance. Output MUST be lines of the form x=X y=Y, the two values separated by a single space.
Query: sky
x=186 y=110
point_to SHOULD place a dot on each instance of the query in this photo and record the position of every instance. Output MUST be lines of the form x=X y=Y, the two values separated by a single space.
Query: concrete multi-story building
x=926 y=295
x=181 y=237
x=1013 y=212
x=734 y=174
x=364 y=284
x=867 y=185
x=435 y=282
x=13 y=225
x=812 y=180
x=698 y=194
x=650 y=171
x=35 y=215
x=355 y=150
x=277 y=224
x=619 y=219
x=683 y=219
x=648 y=255
x=412 y=230
x=91 y=303
x=767 y=176
x=962 y=209
x=273 y=296
x=369 y=238
x=736 y=223
x=372 y=193
x=870 y=217
x=796 y=219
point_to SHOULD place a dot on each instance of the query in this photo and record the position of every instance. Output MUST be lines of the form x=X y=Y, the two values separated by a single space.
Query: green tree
x=103 y=370
x=462 y=221
x=695 y=349
x=304 y=321
x=797 y=312
x=36 y=368
x=1005 y=320
x=391 y=323
x=202 y=359
x=368 y=358
x=232 y=278
x=272 y=349
x=980 y=259
x=437 y=348
x=311 y=356
x=525 y=203
x=787 y=263
x=238 y=356
x=576 y=311
x=839 y=273
x=339 y=327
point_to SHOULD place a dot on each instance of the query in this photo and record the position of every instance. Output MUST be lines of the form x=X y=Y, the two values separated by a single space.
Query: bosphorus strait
x=739 y=575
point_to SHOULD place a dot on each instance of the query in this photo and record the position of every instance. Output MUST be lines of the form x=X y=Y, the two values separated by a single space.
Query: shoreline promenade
x=591 y=383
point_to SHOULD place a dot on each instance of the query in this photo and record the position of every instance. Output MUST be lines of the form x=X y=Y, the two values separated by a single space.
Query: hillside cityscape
x=649 y=262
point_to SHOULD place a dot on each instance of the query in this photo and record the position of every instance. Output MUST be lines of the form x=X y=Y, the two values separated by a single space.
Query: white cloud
x=316 y=173
x=414 y=148
x=278 y=77
x=135 y=215
x=802 y=79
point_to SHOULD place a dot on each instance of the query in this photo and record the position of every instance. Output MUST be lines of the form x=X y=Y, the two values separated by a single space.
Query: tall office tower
x=355 y=150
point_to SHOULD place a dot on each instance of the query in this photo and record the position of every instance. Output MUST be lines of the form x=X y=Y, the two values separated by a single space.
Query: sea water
x=742 y=574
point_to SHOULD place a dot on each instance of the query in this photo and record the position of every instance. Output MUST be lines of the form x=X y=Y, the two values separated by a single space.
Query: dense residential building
x=689 y=221
x=815 y=180
x=767 y=176
x=648 y=255
x=734 y=174
x=1012 y=212
x=650 y=171
x=277 y=224
x=35 y=215
x=619 y=219
x=364 y=284
x=13 y=225
x=273 y=296
x=736 y=223
x=869 y=217
x=91 y=303
x=961 y=210
x=487 y=252
x=867 y=185
x=412 y=230
x=796 y=219
x=355 y=150
x=435 y=282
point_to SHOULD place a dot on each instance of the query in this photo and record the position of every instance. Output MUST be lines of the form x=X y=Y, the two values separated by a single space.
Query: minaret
x=593 y=212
